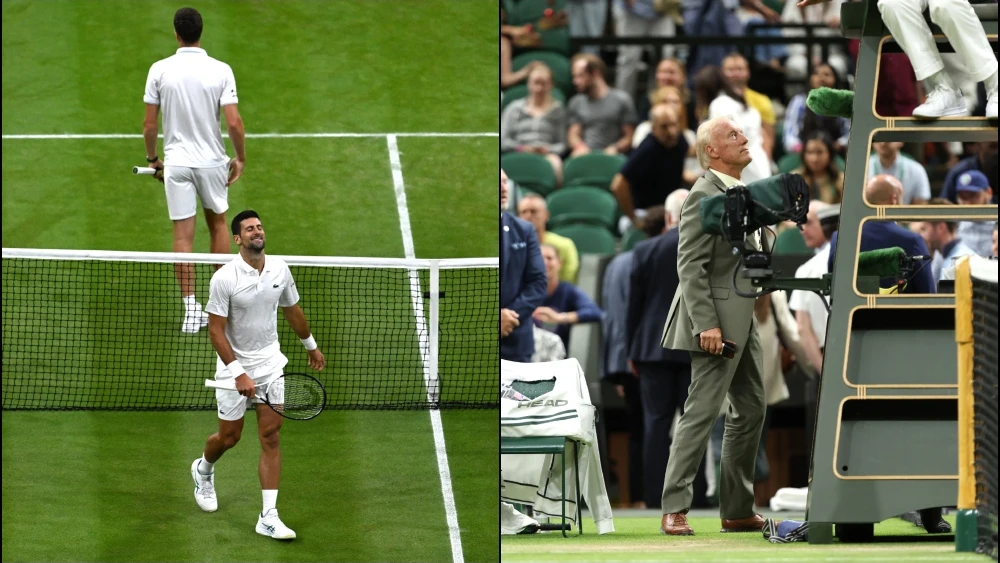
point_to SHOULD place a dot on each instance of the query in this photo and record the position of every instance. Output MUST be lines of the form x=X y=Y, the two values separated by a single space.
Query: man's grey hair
x=704 y=137
x=525 y=197
x=674 y=203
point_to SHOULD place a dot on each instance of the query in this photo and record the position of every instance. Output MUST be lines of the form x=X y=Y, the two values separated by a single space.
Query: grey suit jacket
x=705 y=266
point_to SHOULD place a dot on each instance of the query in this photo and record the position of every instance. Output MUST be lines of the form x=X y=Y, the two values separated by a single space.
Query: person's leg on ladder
x=958 y=20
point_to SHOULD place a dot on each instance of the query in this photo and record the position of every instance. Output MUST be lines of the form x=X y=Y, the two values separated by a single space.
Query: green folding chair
x=583 y=204
x=597 y=170
x=589 y=239
x=530 y=171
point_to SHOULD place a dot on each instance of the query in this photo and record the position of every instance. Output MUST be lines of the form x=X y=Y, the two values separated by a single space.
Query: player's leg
x=269 y=432
x=214 y=195
x=958 y=20
x=182 y=206
x=232 y=407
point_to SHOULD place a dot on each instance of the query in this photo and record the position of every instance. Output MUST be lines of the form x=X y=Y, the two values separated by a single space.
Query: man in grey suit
x=704 y=312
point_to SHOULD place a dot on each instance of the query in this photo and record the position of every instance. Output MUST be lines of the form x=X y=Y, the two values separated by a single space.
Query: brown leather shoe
x=753 y=524
x=675 y=524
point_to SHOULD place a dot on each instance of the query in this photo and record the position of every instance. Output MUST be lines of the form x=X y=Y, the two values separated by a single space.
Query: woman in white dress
x=727 y=102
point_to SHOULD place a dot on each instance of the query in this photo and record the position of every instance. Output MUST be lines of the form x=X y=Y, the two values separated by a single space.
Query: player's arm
x=237 y=136
x=150 y=133
x=217 y=333
x=297 y=320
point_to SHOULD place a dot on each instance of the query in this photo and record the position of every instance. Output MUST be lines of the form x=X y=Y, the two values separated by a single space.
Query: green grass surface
x=357 y=486
x=639 y=540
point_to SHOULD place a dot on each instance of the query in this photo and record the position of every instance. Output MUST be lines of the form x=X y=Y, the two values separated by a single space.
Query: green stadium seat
x=583 y=204
x=556 y=40
x=790 y=241
x=561 y=75
x=520 y=91
x=530 y=171
x=589 y=239
x=631 y=238
x=596 y=169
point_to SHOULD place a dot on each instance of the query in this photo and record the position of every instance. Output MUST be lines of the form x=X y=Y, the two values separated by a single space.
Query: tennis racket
x=302 y=397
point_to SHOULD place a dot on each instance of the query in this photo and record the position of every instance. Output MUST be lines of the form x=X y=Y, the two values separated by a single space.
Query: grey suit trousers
x=712 y=378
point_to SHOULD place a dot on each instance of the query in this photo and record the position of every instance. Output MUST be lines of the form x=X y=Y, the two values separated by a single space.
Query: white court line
x=451 y=512
x=44 y=137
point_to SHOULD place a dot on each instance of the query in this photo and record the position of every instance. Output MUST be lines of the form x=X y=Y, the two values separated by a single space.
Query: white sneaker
x=271 y=526
x=991 y=106
x=204 y=488
x=942 y=102
x=194 y=321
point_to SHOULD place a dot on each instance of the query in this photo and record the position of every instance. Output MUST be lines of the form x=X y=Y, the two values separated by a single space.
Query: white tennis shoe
x=194 y=321
x=942 y=102
x=271 y=526
x=204 y=489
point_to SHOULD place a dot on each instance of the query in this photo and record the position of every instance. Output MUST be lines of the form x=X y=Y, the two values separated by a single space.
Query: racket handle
x=143 y=170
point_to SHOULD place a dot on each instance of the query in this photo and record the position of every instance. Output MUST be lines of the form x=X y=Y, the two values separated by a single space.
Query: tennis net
x=976 y=307
x=102 y=330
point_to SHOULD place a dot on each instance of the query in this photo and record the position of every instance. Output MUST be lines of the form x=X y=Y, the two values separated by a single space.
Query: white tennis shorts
x=232 y=405
x=184 y=186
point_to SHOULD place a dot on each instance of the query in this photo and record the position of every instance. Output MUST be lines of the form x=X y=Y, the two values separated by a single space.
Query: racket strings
x=302 y=398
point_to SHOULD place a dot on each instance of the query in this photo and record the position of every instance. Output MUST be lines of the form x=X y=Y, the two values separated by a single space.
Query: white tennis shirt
x=191 y=87
x=250 y=301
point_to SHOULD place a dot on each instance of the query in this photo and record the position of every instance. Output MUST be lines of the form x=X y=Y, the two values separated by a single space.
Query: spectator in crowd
x=615 y=296
x=537 y=123
x=820 y=169
x=654 y=170
x=875 y=235
x=664 y=375
x=601 y=118
x=811 y=309
x=533 y=209
x=800 y=121
x=707 y=84
x=587 y=19
x=639 y=18
x=910 y=173
x=736 y=73
x=941 y=238
x=669 y=72
x=974 y=189
x=718 y=18
x=994 y=249
x=674 y=98
x=522 y=282
x=728 y=102
x=983 y=159
x=564 y=304
x=827 y=14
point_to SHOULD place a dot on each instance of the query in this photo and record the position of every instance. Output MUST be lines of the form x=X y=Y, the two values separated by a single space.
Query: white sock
x=991 y=84
x=941 y=79
x=204 y=467
x=270 y=499
x=190 y=304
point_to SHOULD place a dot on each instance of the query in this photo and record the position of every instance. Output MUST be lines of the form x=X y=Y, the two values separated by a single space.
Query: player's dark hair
x=243 y=216
x=188 y=25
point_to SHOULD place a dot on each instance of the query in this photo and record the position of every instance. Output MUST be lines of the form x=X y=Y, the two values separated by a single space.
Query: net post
x=966 y=533
x=433 y=332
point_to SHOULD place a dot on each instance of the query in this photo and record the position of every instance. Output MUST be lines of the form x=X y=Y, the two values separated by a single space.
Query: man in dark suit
x=522 y=282
x=875 y=235
x=664 y=375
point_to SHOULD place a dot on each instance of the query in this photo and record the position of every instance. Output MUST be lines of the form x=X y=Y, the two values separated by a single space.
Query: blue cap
x=972 y=181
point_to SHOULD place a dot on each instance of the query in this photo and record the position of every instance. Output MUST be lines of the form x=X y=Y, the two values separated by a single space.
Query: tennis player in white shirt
x=193 y=90
x=243 y=303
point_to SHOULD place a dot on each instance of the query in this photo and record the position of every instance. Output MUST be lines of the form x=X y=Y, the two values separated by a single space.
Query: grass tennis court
x=356 y=486
x=638 y=540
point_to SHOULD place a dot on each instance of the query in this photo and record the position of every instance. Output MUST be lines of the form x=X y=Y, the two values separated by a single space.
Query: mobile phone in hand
x=729 y=349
